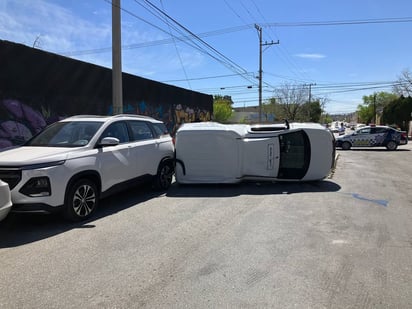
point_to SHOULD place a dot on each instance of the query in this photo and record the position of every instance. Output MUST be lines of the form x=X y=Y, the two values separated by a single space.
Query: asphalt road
x=345 y=242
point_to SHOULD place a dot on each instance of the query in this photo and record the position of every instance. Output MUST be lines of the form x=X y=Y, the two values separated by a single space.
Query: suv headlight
x=37 y=187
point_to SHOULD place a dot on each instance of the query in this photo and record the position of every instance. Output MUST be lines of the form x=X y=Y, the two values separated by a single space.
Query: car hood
x=32 y=155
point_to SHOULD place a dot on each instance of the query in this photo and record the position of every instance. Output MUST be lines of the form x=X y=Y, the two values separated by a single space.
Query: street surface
x=345 y=242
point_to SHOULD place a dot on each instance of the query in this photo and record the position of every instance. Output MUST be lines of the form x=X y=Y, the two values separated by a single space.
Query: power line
x=217 y=55
x=341 y=22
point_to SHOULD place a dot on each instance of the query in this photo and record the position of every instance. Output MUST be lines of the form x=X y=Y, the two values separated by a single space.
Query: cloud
x=311 y=56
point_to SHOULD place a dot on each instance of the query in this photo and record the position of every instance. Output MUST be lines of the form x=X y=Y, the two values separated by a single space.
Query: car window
x=380 y=130
x=364 y=131
x=140 y=130
x=66 y=134
x=160 y=129
x=117 y=130
x=294 y=155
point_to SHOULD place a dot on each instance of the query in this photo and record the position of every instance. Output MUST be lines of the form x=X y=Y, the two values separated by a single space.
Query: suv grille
x=10 y=175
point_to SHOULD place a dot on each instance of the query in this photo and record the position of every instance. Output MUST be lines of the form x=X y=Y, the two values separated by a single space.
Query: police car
x=373 y=136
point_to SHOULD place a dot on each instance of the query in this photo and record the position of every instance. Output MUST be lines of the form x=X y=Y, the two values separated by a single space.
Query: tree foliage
x=404 y=85
x=291 y=98
x=373 y=105
x=222 y=108
x=311 y=111
x=398 y=112
x=291 y=102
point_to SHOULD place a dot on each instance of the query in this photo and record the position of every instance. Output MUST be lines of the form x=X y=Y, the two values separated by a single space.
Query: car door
x=362 y=138
x=116 y=163
x=145 y=148
x=261 y=156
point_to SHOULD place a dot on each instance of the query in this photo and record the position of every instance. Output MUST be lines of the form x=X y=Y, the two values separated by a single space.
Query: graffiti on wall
x=19 y=121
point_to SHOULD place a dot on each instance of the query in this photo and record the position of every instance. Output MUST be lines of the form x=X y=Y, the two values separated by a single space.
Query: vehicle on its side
x=5 y=200
x=74 y=162
x=373 y=136
x=211 y=152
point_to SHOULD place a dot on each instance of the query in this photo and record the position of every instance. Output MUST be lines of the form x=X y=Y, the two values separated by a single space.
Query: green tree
x=373 y=106
x=398 y=112
x=222 y=108
x=311 y=111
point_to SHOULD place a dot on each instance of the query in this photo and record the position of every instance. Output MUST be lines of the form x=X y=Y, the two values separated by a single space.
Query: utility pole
x=117 y=91
x=259 y=29
x=310 y=92
x=310 y=97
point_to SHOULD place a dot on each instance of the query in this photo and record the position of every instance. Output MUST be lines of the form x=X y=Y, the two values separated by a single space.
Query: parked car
x=73 y=163
x=5 y=200
x=373 y=136
x=216 y=153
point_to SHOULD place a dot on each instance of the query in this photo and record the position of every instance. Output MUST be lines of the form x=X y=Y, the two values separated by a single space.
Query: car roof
x=102 y=118
x=379 y=126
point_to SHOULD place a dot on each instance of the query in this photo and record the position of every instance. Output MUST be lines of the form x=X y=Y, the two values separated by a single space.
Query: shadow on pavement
x=20 y=229
x=251 y=188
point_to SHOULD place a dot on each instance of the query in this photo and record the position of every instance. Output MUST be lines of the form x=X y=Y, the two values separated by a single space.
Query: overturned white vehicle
x=211 y=152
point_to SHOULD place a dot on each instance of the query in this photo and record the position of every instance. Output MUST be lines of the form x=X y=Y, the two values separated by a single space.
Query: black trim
x=36 y=207
x=127 y=185
x=182 y=164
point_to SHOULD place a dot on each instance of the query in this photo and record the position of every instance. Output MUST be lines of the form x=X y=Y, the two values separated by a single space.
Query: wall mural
x=19 y=121
x=38 y=88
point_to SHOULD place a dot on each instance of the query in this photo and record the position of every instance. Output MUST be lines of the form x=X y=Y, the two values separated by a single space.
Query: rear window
x=294 y=155
x=140 y=130
x=160 y=129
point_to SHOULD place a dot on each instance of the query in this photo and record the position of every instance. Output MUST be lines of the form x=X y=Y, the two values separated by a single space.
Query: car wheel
x=346 y=145
x=391 y=145
x=164 y=176
x=82 y=200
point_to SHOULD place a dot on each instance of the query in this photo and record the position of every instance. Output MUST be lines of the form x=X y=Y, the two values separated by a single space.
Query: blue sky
x=360 y=47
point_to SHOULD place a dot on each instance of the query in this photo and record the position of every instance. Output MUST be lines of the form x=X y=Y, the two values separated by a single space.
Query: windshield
x=66 y=134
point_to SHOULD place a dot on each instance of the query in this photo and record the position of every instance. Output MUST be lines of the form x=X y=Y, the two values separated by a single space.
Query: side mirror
x=109 y=141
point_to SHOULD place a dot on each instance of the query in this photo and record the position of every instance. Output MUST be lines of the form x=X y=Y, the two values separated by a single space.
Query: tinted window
x=117 y=130
x=379 y=130
x=140 y=130
x=294 y=155
x=160 y=129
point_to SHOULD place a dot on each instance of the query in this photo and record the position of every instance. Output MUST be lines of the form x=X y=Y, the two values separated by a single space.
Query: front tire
x=82 y=200
x=346 y=145
x=391 y=145
x=164 y=176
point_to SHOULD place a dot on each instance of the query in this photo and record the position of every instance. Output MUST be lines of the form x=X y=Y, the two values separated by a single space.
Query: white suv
x=74 y=162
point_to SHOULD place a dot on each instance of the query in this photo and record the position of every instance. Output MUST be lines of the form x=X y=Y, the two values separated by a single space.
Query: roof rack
x=132 y=115
x=87 y=116
x=271 y=127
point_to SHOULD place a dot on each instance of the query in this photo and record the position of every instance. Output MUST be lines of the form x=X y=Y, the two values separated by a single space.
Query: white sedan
x=5 y=200
x=211 y=152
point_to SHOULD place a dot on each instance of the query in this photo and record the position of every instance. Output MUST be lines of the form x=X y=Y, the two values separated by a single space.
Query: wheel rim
x=84 y=200
x=391 y=145
x=165 y=177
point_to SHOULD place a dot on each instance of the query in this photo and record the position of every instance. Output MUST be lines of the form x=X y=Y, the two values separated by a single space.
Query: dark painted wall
x=38 y=88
